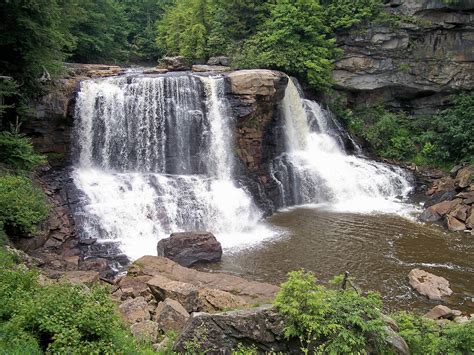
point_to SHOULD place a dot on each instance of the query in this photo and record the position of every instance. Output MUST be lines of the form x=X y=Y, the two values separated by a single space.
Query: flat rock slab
x=189 y=248
x=251 y=291
x=201 y=68
x=254 y=82
x=193 y=298
x=429 y=285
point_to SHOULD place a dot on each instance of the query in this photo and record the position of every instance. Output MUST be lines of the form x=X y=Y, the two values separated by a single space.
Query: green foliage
x=58 y=318
x=294 y=39
x=31 y=42
x=440 y=140
x=330 y=321
x=22 y=205
x=425 y=337
x=96 y=30
x=142 y=16
x=342 y=14
x=17 y=152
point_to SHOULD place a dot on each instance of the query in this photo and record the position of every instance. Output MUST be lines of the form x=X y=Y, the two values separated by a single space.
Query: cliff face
x=255 y=96
x=415 y=65
x=51 y=121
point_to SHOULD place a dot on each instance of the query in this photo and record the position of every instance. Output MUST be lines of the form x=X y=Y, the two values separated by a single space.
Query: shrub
x=17 y=151
x=330 y=321
x=424 y=336
x=22 y=205
x=58 y=318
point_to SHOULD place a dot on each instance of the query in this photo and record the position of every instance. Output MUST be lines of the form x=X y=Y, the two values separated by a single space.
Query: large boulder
x=250 y=291
x=189 y=248
x=261 y=327
x=170 y=315
x=429 y=285
x=258 y=82
x=177 y=63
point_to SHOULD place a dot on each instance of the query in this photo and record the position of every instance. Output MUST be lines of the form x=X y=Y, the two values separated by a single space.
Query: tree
x=296 y=39
x=31 y=42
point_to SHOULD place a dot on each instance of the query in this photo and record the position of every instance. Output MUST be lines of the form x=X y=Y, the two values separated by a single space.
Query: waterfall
x=154 y=157
x=315 y=168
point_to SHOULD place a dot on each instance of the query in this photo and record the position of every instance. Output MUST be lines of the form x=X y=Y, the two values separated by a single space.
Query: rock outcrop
x=451 y=199
x=415 y=64
x=51 y=120
x=189 y=248
x=261 y=327
x=255 y=96
x=250 y=291
x=429 y=285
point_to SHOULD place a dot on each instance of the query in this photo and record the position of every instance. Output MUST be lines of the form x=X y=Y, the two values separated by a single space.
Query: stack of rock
x=451 y=199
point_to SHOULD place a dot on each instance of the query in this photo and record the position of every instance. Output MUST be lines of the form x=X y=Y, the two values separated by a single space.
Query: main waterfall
x=154 y=157
x=316 y=170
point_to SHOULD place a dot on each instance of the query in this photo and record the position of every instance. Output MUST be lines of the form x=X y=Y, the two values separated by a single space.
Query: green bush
x=330 y=321
x=58 y=318
x=22 y=205
x=441 y=140
x=426 y=337
x=17 y=151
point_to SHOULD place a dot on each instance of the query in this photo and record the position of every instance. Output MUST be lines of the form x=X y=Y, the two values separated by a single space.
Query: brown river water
x=378 y=250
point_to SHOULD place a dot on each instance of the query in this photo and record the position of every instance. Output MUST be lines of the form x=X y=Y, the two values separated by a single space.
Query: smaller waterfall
x=316 y=170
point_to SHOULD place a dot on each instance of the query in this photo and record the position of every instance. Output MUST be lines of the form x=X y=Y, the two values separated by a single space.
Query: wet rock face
x=255 y=96
x=189 y=248
x=414 y=66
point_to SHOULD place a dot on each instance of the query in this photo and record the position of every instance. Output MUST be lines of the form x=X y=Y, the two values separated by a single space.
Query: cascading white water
x=154 y=158
x=316 y=170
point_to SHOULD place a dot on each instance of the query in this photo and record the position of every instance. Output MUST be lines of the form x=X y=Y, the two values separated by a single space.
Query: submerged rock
x=189 y=248
x=429 y=285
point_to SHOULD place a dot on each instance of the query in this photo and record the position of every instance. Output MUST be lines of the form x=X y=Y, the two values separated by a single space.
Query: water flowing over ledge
x=155 y=155
x=316 y=170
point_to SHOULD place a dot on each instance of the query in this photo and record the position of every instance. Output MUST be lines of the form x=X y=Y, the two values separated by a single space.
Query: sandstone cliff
x=416 y=63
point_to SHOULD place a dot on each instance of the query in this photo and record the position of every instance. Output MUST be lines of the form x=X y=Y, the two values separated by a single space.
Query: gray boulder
x=189 y=248
x=261 y=327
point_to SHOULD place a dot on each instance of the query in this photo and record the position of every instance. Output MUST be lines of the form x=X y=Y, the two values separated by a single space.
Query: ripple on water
x=378 y=250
